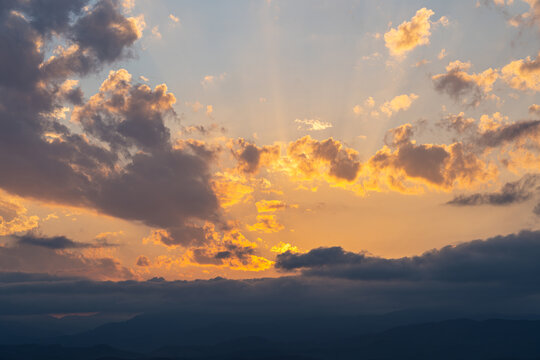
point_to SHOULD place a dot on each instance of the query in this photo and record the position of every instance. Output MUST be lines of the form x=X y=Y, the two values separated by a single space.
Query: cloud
x=502 y=259
x=272 y=206
x=312 y=124
x=502 y=134
x=122 y=163
x=156 y=33
x=409 y=34
x=231 y=188
x=523 y=74
x=266 y=223
x=174 y=19
x=458 y=123
x=460 y=85
x=142 y=261
x=13 y=216
x=106 y=32
x=528 y=18
x=308 y=158
x=442 y=54
x=212 y=79
x=251 y=158
x=230 y=249
x=56 y=242
x=284 y=247
x=402 y=161
x=369 y=103
x=511 y=193
x=398 y=103
x=534 y=109
x=495 y=275
x=126 y=115
x=58 y=256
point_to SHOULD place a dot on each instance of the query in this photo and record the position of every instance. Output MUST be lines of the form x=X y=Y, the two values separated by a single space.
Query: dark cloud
x=59 y=256
x=126 y=116
x=105 y=31
x=462 y=86
x=458 y=123
x=123 y=163
x=250 y=157
x=509 y=133
x=203 y=129
x=503 y=259
x=142 y=261
x=439 y=165
x=55 y=242
x=499 y=274
x=511 y=193
x=228 y=251
x=52 y=15
x=457 y=86
x=339 y=161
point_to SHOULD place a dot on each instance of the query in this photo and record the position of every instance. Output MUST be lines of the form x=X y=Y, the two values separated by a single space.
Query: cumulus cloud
x=266 y=223
x=123 y=164
x=230 y=249
x=250 y=157
x=523 y=74
x=462 y=86
x=403 y=161
x=409 y=34
x=308 y=158
x=511 y=193
x=398 y=103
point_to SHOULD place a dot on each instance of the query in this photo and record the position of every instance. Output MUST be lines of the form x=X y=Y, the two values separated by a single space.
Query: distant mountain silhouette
x=495 y=339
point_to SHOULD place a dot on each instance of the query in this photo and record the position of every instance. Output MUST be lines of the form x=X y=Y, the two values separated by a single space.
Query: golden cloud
x=409 y=34
x=523 y=74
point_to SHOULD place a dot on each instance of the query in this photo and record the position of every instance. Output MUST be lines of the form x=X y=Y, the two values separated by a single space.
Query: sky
x=309 y=142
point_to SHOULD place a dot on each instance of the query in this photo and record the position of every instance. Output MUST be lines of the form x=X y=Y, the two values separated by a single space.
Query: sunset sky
x=192 y=139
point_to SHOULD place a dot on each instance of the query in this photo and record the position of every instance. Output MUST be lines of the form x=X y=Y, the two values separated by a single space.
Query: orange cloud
x=250 y=157
x=404 y=165
x=523 y=74
x=308 y=159
x=409 y=34
x=13 y=216
x=282 y=247
x=229 y=249
x=231 y=189
x=272 y=205
x=266 y=223
x=398 y=103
